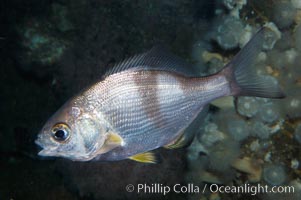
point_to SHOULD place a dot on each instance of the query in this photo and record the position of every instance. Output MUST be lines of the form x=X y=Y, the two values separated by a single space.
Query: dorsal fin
x=157 y=58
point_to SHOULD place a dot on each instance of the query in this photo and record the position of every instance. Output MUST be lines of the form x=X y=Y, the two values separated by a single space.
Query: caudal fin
x=243 y=79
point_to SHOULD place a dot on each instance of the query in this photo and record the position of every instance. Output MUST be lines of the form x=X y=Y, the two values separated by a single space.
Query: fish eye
x=60 y=132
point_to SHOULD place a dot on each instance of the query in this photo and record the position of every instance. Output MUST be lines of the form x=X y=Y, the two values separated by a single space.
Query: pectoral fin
x=146 y=157
x=113 y=140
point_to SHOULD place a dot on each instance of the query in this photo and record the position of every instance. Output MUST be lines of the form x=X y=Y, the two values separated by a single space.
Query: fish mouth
x=38 y=142
x=45 y=152
x=42 y=150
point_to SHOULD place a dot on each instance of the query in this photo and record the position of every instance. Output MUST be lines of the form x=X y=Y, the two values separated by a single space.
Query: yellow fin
x=224 y=102
x=180 y=142
x=146 y=157
x=113 y=140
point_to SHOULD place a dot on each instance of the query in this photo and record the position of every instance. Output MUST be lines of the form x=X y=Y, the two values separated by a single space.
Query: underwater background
x=51 y=49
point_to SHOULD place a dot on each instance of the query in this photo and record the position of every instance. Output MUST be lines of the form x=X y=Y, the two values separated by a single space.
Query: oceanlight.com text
x=158 y=188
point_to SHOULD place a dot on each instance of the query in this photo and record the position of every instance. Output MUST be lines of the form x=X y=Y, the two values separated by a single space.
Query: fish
x=147 y=102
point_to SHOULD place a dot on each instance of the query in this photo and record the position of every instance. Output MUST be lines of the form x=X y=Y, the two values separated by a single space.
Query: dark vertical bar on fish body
x=149 y=95
x=208 y=88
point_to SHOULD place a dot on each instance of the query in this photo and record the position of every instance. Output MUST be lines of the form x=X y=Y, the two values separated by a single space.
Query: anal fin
x=224 y=102
x=186 y=136
x=180 y=142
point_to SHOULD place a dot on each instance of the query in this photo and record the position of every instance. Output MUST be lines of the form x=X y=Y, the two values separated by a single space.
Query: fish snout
x=39 y=142
x=42 y=149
